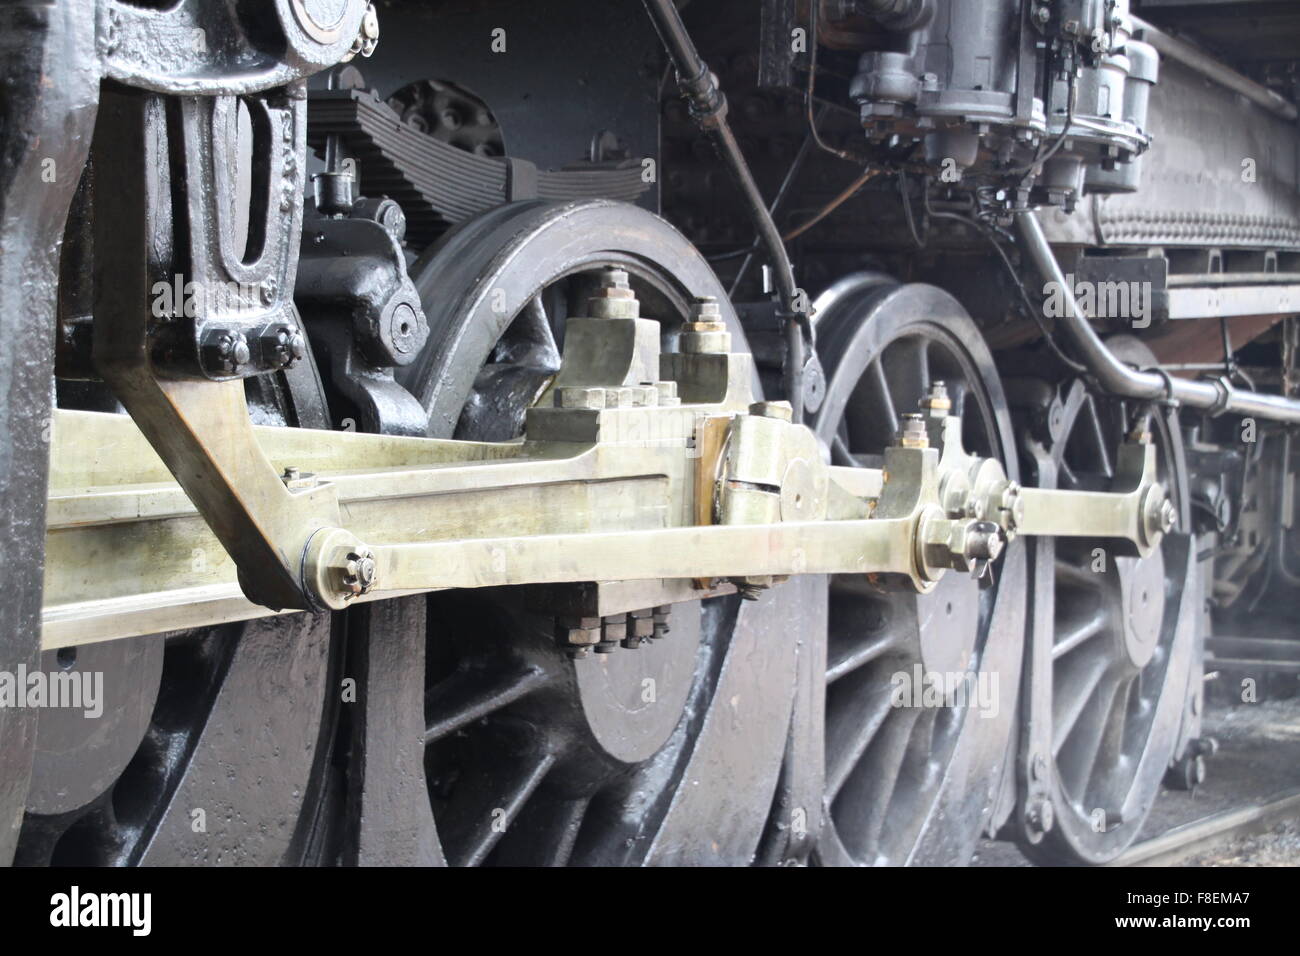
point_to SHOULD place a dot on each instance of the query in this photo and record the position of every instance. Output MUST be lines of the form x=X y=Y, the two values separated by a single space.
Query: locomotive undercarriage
x=475 y=514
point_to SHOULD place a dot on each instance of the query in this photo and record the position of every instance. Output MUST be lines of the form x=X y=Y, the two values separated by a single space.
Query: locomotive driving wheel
x=664 y=753
x=911 y=779
x=1122 y=635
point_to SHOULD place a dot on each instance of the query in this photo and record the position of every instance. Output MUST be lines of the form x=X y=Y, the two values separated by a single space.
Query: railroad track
x=1215 y=830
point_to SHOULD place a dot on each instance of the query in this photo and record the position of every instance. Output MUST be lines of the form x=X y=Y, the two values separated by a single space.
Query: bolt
x=281 y=346
x=778 y=410
x=661 y=628
x=954 y=493
x=1040 y=815
x=640 y=628
x=913 y=433
x=1168 y=516
x=224 y=351
x=613 y=631
x=705 y=308
x=613 y=298
x=576 y=396
x=984 y=545
x=359 y=571
x=1140 y=434
x=937 y=402
x=577 y=635
x=1010 y=505
x=705 y=332
x=296 y=480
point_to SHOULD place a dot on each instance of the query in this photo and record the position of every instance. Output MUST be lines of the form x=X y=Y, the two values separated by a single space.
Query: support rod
x=709 y=109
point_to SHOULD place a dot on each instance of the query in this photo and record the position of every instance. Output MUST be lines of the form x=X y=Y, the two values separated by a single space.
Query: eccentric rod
x=1216 y=397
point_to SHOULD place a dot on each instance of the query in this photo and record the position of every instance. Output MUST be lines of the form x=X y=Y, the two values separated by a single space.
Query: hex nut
x=576 y=396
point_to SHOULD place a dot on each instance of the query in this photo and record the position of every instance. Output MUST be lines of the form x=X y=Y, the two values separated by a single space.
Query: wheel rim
x=1121 y=641
x=913 y=784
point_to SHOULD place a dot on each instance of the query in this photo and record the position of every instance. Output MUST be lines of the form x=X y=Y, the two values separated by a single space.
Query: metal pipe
x=1118 y=378
x=1203 y=63
x=709 y=109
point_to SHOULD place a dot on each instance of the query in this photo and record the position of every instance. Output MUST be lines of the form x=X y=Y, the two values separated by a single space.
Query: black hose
x=709 y=110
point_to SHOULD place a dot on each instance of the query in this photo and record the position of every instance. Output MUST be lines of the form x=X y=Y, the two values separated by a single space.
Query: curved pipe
x=1116 y=377
x=1206 y=65
x=709 y=108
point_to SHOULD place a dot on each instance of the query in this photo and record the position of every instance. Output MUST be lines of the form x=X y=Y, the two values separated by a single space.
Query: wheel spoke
x=1068 y=639
x=851 y=723
x=546 y=831
x=529 y=340
x=846 y=659
x=870 y=420
x=1104 y=785
x=864 y=801
x=1077 y=575
x=1077 y=760
x=467 y=696
x=485 y=808
x=1100 y=446
x=1074 y=681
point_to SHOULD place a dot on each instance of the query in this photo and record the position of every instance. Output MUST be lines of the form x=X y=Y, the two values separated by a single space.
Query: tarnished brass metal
x=642 y=504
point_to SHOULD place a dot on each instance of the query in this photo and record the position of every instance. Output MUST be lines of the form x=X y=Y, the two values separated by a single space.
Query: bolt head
x=937 y=401
x=1040 y=816
x=1168 y=516
x=913 y=433
x=705 y=308
x=359 y=571
x=225 y=351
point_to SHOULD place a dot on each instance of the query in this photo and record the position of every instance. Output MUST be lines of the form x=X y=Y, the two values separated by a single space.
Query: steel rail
x=1186 y=840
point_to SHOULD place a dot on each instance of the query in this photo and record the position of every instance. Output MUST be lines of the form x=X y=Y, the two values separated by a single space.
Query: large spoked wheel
x=668 y=753
x=909 y=778
x=1123 y=637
